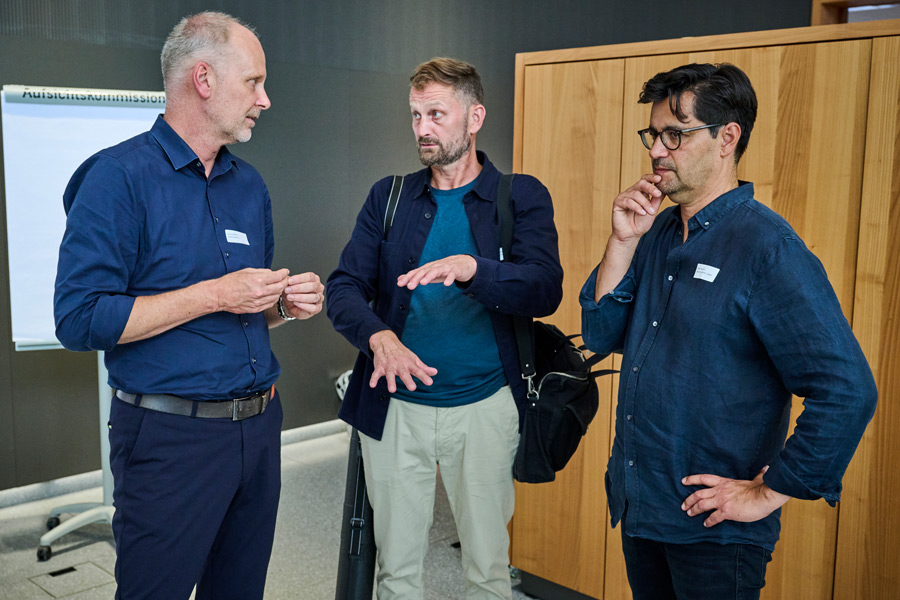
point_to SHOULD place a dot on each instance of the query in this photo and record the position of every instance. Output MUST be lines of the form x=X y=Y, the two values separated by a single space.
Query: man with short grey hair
x=166 y=266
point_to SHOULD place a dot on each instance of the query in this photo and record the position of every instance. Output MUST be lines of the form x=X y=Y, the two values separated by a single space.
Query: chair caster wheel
x=44 y=553
x=52 y=522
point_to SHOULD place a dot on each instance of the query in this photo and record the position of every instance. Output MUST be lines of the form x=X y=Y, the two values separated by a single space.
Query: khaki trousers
x=475 y=446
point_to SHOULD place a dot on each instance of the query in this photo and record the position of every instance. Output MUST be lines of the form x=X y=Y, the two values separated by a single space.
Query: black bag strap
x=393 y=200
x=506 y=217
x=522 y=325
x=601 y=372
x=593 y=360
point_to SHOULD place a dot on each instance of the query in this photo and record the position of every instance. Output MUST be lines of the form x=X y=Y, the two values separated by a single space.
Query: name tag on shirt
x=239 y=237
x=706 y=272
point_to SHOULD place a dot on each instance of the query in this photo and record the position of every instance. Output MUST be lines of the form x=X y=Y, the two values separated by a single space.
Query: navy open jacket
x=362 y=293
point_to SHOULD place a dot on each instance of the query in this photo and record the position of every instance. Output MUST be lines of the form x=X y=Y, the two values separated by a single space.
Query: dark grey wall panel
x=338 y=77
x=57 y=423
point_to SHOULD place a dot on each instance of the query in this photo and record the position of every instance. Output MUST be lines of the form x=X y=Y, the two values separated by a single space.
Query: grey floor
x=304 y=559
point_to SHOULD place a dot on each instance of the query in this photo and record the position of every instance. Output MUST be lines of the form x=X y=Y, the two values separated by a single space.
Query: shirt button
x=634 y=369
x=253 y=360
x=411 y=260
x=217 y=219
x=246 y=324
x=227 y=255
x=427 y=215
x=706 y=224
x=627 y=417
x=199 y=164
x=671 y=278
x=630 y=463
x=655 y=323
x=402 y=307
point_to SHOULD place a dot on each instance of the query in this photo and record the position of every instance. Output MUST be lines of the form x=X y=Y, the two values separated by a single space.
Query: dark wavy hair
x=722 y=94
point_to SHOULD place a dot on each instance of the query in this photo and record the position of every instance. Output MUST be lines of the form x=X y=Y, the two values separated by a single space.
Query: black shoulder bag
x=562 y=390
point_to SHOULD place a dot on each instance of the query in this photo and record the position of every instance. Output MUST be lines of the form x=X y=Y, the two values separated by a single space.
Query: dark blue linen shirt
x=716 y=334
x=142 y=219
x=528 y=283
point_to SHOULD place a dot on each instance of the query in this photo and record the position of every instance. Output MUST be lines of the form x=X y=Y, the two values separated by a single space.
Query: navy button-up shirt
x=716 y=334
x=529 y=282
x=142 y=219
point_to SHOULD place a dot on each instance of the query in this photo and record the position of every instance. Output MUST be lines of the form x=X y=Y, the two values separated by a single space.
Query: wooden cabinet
x=825 y=154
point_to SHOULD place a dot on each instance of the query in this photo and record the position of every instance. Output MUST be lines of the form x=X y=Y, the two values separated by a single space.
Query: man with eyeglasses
x=721 y=314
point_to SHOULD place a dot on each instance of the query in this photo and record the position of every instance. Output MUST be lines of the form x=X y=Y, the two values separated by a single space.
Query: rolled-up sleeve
x=797 y=316
x=97 y=254
x=604 y=322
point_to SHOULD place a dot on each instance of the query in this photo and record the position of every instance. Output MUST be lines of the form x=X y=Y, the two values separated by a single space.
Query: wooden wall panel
x=571 y=132
x=869 y=529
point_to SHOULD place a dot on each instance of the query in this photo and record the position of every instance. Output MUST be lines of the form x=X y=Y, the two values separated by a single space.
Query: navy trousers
x=195 y=503
x=700 y=571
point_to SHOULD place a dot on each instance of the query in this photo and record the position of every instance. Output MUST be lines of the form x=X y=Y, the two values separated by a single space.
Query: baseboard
x=547 y=590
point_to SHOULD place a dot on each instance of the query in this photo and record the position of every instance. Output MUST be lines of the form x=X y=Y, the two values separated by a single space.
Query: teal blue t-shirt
x=445 y=328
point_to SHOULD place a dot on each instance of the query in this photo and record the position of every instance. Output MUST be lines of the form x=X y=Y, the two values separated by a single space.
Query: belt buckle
x=244 y=408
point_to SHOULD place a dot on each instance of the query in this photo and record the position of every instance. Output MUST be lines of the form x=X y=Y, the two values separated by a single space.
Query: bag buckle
x=532 y=392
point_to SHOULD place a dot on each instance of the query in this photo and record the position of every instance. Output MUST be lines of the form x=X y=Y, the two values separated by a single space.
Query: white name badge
x=239 y=237
x=706 y=272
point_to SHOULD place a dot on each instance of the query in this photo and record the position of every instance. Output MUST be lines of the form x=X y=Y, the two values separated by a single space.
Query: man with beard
x=166 y=265
x=455 y=337
x=721 y=314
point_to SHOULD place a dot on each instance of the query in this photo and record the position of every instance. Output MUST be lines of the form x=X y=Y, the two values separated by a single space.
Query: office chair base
x=91 y=514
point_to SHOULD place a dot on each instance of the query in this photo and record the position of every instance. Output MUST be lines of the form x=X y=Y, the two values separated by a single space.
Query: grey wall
x=338 y=76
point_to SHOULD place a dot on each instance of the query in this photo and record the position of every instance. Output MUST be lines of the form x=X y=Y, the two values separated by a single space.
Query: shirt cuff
x=484 y=277
x=108 y=321
x=622 y=293
x=781 y=479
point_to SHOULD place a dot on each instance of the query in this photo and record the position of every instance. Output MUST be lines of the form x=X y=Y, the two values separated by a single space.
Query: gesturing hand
x=304 y=295
x=392 y=359
x=250 y=290
x=459 y=267
x=731 y=499
x=635 y=209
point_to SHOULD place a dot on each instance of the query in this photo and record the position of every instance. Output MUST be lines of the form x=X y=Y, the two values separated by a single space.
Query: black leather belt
x=236 y=409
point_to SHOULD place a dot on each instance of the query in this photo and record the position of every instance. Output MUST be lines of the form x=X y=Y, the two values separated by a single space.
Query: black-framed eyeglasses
x=671 y=138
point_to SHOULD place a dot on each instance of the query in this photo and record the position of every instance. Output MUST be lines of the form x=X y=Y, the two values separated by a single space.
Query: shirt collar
x=720 y=207
x=180 y=154
x=486 y=184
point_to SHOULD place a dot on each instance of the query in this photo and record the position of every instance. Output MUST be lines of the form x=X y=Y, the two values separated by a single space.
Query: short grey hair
x=201 y=37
